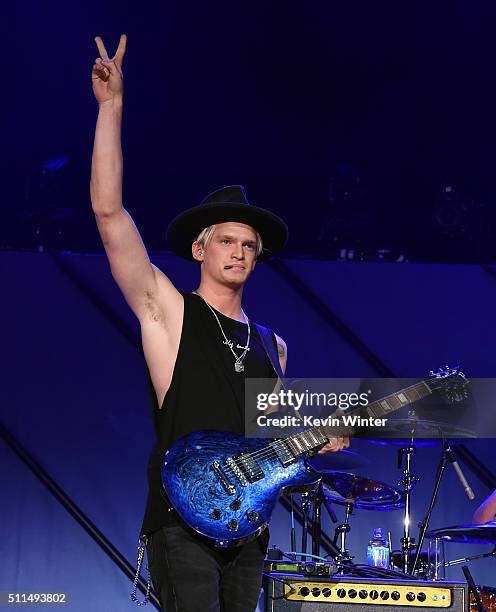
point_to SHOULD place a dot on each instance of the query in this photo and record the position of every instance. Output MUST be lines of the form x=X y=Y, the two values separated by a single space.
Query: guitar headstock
x=451 y=381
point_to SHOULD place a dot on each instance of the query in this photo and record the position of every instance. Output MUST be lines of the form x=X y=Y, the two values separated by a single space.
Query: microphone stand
x=424 y=525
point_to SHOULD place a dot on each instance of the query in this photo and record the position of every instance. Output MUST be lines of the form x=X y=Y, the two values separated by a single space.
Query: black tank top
x=205 y=392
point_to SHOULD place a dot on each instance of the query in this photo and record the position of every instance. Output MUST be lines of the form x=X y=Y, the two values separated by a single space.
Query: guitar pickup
x=283 y=452
x=250 y=468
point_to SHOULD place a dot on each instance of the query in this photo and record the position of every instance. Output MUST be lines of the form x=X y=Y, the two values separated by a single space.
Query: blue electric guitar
x=225 y=486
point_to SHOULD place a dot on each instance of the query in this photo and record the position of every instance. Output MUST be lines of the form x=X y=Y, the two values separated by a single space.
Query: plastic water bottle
x=378 y=550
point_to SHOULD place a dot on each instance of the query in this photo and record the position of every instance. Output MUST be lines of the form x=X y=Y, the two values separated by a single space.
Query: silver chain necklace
x=238 y=364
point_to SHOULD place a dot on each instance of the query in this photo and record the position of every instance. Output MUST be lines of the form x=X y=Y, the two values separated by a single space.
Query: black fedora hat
x=226 y=204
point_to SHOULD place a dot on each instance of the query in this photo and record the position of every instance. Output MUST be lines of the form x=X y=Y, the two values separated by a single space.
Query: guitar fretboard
x=315 y=437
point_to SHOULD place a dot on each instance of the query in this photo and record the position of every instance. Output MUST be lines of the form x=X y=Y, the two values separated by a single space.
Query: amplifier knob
x=216 y=514
x=410 y=596
x=363 y=594
x=374 y=594
x=326 y=592
x=421 y=596
x=233 y=524
x=395 y=595
x=235 y=505
x=315 y=591
x=352 y=593
x=304 y=591
x=341 y=593
x=384 y=595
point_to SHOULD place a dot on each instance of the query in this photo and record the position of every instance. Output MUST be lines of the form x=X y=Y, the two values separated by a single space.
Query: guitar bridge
x=226 y=483
x=232 y=465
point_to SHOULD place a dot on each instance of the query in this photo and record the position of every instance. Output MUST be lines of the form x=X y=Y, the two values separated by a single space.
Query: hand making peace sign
x=107 y=73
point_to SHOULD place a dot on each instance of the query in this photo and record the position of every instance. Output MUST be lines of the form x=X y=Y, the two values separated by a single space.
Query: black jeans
x=190 y=575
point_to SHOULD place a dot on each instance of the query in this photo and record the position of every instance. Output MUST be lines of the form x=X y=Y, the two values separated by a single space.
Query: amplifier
x=346 y=594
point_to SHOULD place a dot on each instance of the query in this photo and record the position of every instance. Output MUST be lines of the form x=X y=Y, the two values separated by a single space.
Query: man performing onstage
x=198 y=348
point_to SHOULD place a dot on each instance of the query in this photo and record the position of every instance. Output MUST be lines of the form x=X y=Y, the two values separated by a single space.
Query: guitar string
x=266 y=452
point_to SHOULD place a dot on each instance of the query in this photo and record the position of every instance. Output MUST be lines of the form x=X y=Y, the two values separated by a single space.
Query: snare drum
x=488 y=599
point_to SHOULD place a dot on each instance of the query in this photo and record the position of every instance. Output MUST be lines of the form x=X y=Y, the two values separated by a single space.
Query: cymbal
x=343 y=488
x=484 y=533
x=397 y=431
x=343 y=461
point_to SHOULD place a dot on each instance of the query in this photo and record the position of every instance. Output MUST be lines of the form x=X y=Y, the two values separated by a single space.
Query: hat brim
x=184 y=229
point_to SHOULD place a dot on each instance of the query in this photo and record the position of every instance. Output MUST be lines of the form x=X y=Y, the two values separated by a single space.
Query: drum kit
x=340 y=485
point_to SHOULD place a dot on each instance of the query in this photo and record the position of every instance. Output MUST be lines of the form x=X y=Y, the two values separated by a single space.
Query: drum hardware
x=484 y=533
x=424 y=525
x=364 y=493
x=413 y=428
x=471 y=558
x=408 y=480
x=317 y=497
x=320 y=498
x=340 y=532
x=352 y=492
x=293 y=530
x=305 y=505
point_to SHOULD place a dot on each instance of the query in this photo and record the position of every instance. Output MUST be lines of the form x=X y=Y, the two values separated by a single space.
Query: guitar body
x=220 y=496
x=225 y=487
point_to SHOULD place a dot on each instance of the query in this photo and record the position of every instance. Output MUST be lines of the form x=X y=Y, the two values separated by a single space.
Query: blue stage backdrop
x=74 y=394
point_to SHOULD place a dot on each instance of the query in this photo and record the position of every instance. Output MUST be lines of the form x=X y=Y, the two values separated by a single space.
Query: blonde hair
x=206 y=234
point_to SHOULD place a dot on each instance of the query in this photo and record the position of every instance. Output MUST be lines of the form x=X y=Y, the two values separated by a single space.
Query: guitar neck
x=315 y=437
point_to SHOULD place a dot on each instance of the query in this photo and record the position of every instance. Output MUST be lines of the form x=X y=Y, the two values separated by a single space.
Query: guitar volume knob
x=252 y=516
x=235 y=505
x=233 y=524
x=216 y=514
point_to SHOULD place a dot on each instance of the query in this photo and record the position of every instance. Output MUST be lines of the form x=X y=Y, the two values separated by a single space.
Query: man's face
x=230 y=254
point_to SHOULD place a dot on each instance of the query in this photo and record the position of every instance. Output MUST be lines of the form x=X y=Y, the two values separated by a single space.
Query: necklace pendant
x=239 y=367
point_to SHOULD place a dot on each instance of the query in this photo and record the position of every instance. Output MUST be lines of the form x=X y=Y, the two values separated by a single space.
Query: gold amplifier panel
x=363 y=593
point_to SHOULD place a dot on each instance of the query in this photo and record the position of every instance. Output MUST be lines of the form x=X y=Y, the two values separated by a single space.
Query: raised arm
x=144 y=286
x=486 y=511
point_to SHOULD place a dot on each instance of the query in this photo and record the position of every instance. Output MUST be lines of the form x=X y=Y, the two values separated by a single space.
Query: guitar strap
x=267 y=337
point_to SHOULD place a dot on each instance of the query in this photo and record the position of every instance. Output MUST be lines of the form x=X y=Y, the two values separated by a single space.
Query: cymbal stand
x=340 y=532
x=293 y=531
x=305 y=503
x=319 y=498
x=407 y=481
